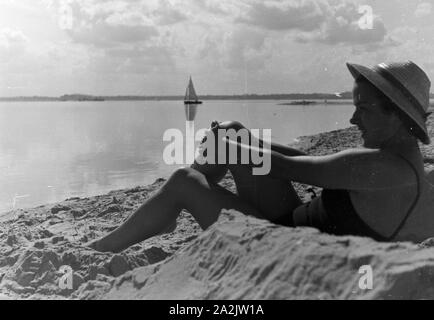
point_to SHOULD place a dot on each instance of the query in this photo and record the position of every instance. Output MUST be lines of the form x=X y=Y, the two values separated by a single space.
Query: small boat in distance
x=190 y=95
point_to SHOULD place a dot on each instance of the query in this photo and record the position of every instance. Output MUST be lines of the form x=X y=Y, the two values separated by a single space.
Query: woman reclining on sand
x=374 y=191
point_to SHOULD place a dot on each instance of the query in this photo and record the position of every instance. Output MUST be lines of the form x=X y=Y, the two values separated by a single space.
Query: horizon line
x=338 y=95
x=173 y=95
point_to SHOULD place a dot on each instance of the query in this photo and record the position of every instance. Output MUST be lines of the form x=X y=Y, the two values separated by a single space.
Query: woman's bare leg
x=276 y=199
x=185 y=189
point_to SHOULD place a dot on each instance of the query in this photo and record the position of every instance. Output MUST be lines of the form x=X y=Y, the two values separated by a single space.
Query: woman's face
x=377 y=125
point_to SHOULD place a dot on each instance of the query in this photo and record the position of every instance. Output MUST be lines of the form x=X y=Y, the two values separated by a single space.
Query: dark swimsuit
x=334 y=213
x=343 y=218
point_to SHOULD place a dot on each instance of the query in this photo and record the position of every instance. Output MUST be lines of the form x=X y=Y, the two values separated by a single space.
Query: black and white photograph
x=218 y=155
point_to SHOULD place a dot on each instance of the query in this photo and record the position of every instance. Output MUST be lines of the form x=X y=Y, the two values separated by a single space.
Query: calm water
x=52 y=151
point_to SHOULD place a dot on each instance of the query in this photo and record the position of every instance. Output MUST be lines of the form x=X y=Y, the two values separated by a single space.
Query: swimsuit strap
x=413 y=205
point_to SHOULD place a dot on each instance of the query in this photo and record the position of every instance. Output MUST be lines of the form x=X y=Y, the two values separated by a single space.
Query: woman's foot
x=97 y=246
x=93 y=245
x=169 y=229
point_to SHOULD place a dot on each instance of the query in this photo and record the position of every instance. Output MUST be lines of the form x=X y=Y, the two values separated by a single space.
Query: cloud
x=137 y=60
x=326 y=21
x=104 y=34
x=244 y=48
x=423 y=9
x=341 y=30
x=13 y=43
x=236 y=49
x=228 y=8
x=284 y=15
x=105 y=24
x=151 y=46
x=13 y=48
x=122 y=37
x=168 y=14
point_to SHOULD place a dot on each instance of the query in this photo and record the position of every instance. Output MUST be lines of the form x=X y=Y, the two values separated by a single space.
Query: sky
x=151 y=47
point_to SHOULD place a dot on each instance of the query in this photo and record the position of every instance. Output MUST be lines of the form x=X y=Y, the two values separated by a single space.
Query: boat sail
x=190 y=94
x=190 y=102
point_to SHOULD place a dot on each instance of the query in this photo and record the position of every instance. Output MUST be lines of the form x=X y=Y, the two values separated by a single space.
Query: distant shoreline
x=82 y=97
x=300 y=103
x=293 y=99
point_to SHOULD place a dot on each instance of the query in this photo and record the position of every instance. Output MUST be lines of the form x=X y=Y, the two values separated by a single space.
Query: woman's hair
x=389 y=106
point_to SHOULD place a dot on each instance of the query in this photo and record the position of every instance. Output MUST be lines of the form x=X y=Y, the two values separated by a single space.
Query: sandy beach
x=237 y=252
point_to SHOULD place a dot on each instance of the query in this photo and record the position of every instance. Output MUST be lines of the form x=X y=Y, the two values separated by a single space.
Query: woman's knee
x=180 y=178
x=236 y=125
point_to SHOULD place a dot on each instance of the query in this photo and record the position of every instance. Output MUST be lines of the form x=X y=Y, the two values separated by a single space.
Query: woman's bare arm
x=282 y=149
x=277 y=147
x=353 y=169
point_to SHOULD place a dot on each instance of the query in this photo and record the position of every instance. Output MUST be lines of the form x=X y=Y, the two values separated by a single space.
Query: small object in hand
x=214 y=124
x=312 y=192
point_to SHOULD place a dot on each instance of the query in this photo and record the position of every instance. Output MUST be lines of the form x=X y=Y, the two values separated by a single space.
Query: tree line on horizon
x=253 y=96
x=284 y=96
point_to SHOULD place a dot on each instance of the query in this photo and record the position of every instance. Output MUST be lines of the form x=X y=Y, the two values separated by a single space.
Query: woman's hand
x=215 y=172
x=226 y=125
x=216 y=126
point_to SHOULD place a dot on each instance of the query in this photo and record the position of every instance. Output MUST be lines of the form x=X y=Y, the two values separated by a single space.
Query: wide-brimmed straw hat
x=405 y=84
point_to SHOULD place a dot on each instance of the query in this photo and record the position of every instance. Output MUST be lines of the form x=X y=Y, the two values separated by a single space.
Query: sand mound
x=246 y=258
x=239 y=257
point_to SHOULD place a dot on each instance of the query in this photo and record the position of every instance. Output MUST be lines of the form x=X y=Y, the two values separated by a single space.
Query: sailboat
x=190 y=95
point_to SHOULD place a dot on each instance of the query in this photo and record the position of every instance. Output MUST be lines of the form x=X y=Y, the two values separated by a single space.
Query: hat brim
x=396 y=96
